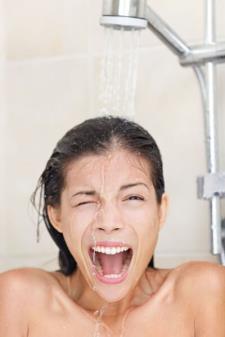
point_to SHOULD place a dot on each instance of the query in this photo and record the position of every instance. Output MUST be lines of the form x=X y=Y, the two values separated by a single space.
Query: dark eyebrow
x=84 y=193
x=132 y=185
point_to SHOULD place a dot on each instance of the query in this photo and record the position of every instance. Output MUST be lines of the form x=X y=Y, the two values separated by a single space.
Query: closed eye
x=84 y=203
x=135 y=197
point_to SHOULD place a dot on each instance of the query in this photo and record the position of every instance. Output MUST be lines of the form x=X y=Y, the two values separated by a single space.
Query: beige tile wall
x=53 y=51
x=2 y=130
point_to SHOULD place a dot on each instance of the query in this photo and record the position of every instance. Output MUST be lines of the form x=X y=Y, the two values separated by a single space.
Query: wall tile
x=45 y=28
x=2 y=31
x=75 y=26
x=2 y=126
x=220 y=25
x=44 y=100
x=172 y=261
x=48 y=262
x=2 y=155
x=34 y=28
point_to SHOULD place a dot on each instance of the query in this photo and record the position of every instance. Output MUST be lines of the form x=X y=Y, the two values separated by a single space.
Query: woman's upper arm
x=14 y=304
x=210 y=314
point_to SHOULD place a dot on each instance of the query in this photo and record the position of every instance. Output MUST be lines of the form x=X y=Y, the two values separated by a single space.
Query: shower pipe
x=136 y=14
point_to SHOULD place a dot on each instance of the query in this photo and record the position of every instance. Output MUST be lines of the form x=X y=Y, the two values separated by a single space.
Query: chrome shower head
x=129 y=14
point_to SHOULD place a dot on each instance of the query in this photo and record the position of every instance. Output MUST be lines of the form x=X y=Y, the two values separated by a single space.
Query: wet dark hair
x=93 y=136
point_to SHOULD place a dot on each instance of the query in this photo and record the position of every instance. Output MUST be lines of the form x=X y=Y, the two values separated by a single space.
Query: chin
x=113 y=294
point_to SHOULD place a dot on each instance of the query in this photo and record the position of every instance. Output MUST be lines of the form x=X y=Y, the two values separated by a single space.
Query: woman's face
x=110 y=220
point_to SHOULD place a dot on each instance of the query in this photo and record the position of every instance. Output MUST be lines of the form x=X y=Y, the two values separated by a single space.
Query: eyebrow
x=122 y=188
x=84 y=193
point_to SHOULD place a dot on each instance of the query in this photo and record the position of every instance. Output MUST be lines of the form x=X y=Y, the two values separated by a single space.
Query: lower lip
x=108 y=280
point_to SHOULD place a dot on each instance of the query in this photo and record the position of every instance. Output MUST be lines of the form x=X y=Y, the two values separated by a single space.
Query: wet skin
x=188 y=301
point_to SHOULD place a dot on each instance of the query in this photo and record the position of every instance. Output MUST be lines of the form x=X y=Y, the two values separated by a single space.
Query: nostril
x=107 y=229
x=100 y=228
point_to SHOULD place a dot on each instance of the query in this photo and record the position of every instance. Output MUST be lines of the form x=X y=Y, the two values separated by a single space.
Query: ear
x=54 y=217
x=163 y=207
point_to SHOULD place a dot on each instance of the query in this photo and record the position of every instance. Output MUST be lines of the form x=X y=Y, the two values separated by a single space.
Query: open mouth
x=111 y=263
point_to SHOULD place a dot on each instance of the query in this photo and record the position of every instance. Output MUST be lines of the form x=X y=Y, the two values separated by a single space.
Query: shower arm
x=188 y=55
x=166 y=34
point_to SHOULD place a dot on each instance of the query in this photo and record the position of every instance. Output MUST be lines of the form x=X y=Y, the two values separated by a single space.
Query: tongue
x=111 y=264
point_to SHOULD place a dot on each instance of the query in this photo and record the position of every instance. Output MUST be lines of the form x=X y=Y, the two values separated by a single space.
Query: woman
x=104 y=204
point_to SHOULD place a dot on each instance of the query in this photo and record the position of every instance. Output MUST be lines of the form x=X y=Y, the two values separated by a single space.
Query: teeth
x=112 y=276
x=109 y=250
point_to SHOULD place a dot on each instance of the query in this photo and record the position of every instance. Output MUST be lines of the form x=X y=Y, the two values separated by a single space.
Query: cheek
x=76 y=221
x=144 y=219
x=147 y=228
x=145 y=222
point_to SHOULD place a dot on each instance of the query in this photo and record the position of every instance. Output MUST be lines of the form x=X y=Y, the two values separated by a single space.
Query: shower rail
x=136 y=14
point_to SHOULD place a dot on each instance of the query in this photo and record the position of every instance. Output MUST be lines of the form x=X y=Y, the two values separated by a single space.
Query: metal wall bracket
x=210 y=185
x=203 y=54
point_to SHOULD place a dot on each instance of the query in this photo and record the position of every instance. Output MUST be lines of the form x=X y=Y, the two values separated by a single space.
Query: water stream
x=118 y=75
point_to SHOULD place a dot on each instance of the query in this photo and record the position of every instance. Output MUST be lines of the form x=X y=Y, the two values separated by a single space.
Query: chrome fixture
x=136 y=14
x=124 y=13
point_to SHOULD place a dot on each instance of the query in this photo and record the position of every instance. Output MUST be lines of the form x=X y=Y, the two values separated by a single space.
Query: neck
x=88 y=299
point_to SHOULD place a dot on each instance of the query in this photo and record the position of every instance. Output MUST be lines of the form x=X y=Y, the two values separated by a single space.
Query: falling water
x=118 y=74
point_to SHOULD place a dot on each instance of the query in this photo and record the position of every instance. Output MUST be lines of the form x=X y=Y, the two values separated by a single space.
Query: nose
x=108 y=219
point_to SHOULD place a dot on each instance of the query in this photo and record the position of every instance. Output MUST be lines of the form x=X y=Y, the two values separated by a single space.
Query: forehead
x=114 y=167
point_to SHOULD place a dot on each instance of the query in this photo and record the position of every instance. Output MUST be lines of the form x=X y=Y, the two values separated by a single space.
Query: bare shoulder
x=196 y=281
x=20 y=288
x=23 y=281
x=201 y=287
x=200 y=277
